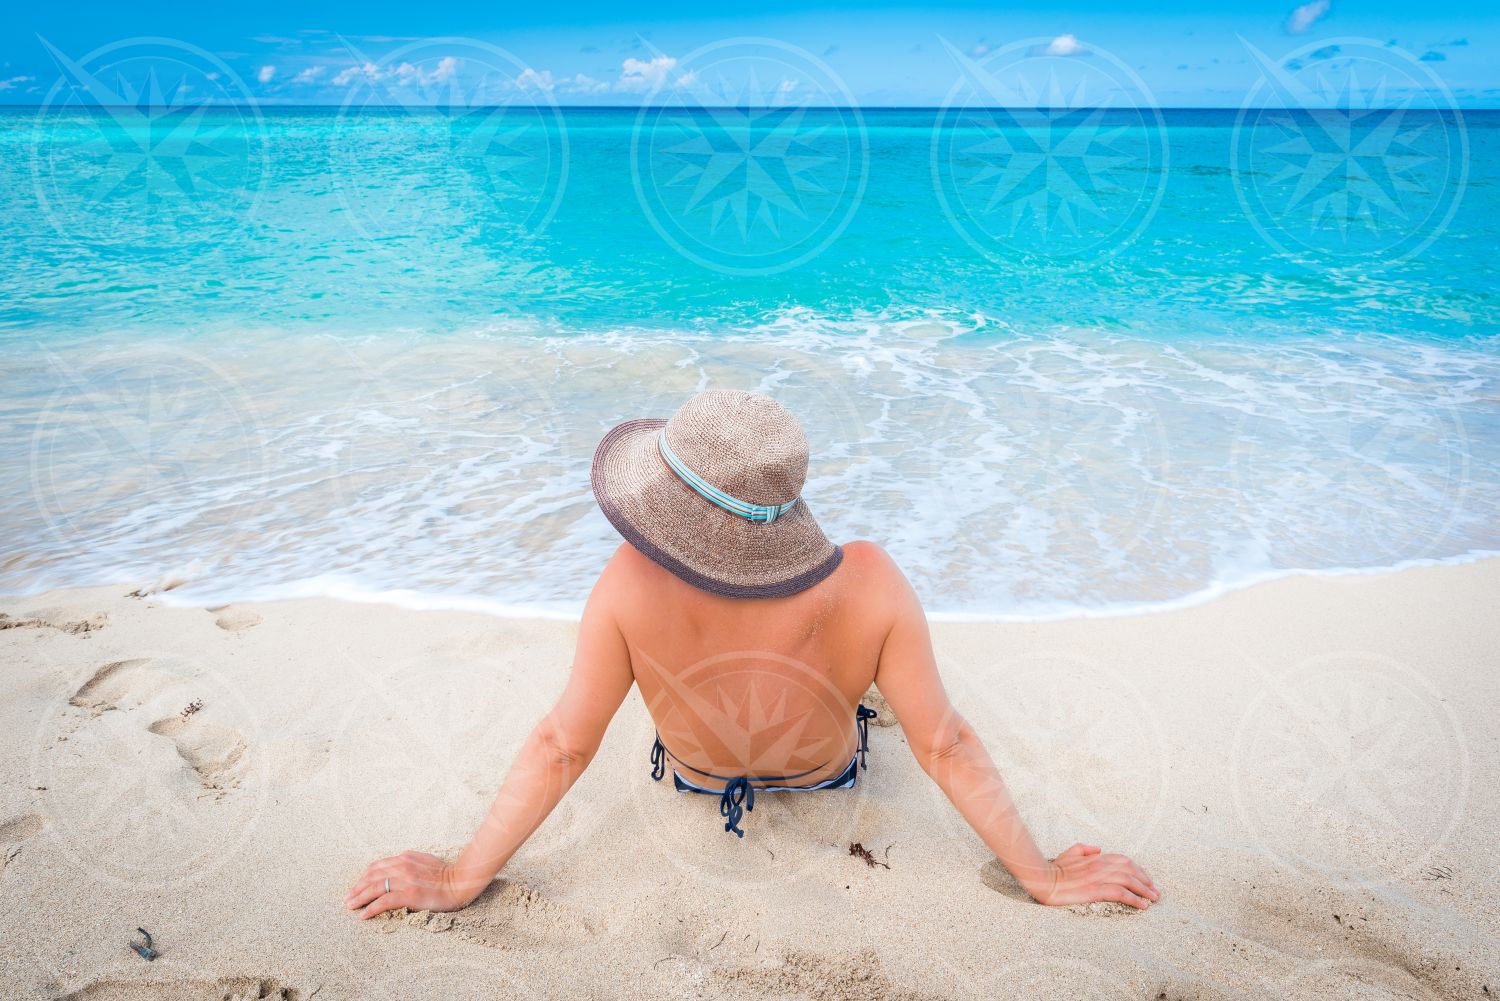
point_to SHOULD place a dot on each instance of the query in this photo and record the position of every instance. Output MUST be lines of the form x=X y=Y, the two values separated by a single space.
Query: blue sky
x=1185 y=55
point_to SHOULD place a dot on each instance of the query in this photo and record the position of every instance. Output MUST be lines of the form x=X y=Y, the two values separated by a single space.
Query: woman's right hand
x=1083 y=874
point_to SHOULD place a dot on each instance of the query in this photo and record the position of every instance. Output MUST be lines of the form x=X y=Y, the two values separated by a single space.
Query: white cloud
x=347 y=75
x=530 y=79
x=8 y=84
x=636 y=75
x=544 y=81
x=585 y=84
x=310 y=75
x=1065 y=45
x=1305 y=16
x=402 y=73
x=368 y=70
x=265 y=74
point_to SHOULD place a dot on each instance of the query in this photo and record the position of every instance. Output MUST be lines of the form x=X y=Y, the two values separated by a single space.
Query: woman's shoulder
x=868 y=556
x=876 y=571
x=868 y=572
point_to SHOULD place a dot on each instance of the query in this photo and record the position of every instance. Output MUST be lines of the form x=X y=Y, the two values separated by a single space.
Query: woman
x=752 y=638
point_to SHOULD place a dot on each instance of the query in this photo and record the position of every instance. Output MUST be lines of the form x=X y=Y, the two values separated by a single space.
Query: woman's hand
x=1082 y=875
x=417 y=881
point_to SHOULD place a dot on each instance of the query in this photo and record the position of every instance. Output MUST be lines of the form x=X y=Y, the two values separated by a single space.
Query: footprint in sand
x=508 y=915
x=223 y=989
x=232 y=620
x=16 y=831
x=109 y=685
x=73 y=621
x=215 y=753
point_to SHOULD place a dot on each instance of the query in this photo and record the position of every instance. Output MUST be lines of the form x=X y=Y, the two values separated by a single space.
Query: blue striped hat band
x=765 y=513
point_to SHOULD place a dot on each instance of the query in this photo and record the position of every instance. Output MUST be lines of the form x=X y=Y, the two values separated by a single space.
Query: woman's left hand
x=416 y=880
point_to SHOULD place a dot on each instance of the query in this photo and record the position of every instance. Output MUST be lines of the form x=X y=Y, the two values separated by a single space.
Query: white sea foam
x=346 y=589
x=1014 y=474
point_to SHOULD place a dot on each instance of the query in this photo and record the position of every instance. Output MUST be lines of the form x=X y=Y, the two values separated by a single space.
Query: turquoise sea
x=1057 y=361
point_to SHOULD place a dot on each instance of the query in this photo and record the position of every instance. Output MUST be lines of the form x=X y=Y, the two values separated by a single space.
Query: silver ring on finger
x=388 y=884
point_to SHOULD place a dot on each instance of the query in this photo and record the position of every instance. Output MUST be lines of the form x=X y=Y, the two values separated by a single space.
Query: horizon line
x=744 y=107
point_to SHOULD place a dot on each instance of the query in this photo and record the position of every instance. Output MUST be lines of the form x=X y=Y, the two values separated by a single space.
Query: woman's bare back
x=747 y=689
x=763 y=689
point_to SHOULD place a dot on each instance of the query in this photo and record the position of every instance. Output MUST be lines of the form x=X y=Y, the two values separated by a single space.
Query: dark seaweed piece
x=860 y=851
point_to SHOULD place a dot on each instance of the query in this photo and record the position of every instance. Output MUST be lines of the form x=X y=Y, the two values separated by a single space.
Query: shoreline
x=335 y=588
x=1304 y=767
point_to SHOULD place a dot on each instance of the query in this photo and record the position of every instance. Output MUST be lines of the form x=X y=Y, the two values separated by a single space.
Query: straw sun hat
x=712 y=495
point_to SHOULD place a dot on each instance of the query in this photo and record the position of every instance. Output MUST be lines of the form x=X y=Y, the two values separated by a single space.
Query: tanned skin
x=801 y=663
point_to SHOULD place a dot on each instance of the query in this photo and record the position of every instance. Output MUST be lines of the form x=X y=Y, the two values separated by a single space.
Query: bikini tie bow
x=736 y=792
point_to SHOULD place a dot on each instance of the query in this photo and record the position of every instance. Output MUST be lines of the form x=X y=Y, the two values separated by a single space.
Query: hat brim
x=699 y=542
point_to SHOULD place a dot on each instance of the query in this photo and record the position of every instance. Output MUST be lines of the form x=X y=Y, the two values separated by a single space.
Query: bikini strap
x=658 y=759
x=862 y=717
x=736 y=792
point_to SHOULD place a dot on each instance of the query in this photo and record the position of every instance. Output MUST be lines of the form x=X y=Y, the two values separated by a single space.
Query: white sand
x=1307 y=768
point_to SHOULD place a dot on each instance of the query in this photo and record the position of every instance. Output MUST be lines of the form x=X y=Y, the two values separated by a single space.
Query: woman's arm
x=951 y=753
x=556 y=753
